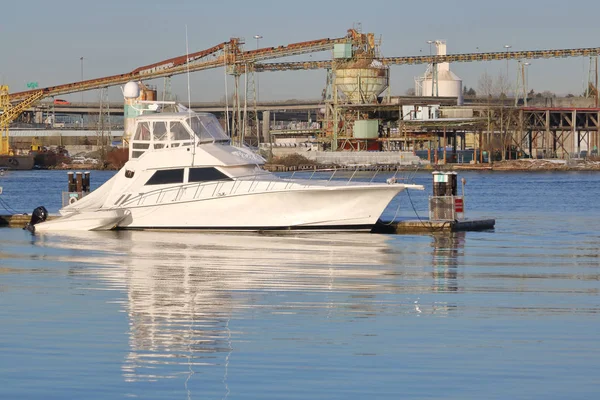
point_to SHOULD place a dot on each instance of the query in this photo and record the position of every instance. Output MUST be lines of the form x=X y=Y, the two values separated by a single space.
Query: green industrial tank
x=366 y=129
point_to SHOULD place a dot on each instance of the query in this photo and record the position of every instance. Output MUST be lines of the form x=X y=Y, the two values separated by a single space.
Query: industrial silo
x=360 y=80
x=448 y=83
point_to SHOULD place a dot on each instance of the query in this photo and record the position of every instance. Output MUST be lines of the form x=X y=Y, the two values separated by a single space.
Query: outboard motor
x=38 y=215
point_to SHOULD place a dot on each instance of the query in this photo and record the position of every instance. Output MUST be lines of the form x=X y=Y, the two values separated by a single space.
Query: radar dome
x=131 y=90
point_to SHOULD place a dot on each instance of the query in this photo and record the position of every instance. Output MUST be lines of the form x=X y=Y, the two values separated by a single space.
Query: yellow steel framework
x=11 y=112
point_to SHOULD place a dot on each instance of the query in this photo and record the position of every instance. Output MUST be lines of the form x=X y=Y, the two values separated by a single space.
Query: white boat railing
x=245 y=184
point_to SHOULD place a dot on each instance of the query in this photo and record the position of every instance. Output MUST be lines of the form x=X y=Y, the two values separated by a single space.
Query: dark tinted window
x=206 y=174
x=165 y=176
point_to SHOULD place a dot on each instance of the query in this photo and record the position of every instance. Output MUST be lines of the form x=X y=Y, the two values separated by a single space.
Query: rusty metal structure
x=466 y=57
x=550 y=132
x=509 y=132
x=225 y=54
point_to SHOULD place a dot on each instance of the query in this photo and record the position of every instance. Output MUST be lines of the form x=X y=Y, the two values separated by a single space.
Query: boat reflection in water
x=183 y=289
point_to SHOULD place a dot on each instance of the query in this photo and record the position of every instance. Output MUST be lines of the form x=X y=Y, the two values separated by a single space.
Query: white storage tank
x=448 y=83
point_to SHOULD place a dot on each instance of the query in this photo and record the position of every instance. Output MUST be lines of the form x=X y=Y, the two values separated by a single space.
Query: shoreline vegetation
x=110 y=160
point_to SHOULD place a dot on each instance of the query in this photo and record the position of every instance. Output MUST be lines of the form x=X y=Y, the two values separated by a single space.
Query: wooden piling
x=72 y=186
x=79 y=182
x=86 y=182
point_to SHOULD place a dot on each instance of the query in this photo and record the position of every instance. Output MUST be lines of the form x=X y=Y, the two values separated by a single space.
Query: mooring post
x=445 y=161
x=71 y=182
x=79 y=182
x=86 y=182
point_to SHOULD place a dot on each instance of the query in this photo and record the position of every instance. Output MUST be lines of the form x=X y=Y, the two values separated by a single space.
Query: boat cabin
x=168 y=130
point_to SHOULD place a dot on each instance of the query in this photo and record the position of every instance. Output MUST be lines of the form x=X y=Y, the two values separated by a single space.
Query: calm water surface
x=509 y=314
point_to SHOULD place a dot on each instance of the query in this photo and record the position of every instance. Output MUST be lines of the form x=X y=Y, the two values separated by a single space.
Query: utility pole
x=521 y=87
x=81 y=59
x=596 y=81
x=257 y=37
x=433 y=71
x=103 y=123
x=507 y=47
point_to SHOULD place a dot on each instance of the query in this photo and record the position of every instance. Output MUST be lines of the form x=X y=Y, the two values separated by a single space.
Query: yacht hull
x=333 y=208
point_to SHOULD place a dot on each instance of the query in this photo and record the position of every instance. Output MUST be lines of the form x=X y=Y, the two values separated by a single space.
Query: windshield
x=207 y=128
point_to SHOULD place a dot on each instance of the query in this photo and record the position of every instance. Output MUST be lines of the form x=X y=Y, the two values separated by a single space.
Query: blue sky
x=43 y=40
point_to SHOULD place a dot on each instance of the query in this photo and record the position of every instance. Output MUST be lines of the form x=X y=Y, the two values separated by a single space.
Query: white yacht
x=183 y=173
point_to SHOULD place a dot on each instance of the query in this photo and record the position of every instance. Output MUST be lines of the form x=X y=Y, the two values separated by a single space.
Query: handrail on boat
x=331 y=177
x=354 y=173
x=374 y=175
x=238 y=183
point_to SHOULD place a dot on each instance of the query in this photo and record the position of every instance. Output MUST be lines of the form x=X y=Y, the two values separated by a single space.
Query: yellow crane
x=10 y=112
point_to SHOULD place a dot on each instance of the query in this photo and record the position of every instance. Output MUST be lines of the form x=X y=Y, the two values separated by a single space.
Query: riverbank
x=509 y=165
x=532 y=165
x=84 y=167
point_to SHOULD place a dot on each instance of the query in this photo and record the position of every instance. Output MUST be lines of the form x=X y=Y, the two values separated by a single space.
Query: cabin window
x=214 y=128
x=160 y=131
x=199 y=129
x=142 y=132
x=166 y=176
x=138 y=149
x=179 y=132
x=207 y=128
x=206 y=174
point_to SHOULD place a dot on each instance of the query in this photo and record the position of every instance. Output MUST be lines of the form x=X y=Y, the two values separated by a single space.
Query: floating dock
x=394 y=227
x=19 y=220
x=427 y=226
x=16 y=220
x=446 y=211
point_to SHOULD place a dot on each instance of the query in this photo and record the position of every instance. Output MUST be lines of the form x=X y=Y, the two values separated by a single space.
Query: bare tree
x=548 y=94
x=501 y=89
x=501 y=86
x=485 y=88
x=485 y=85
